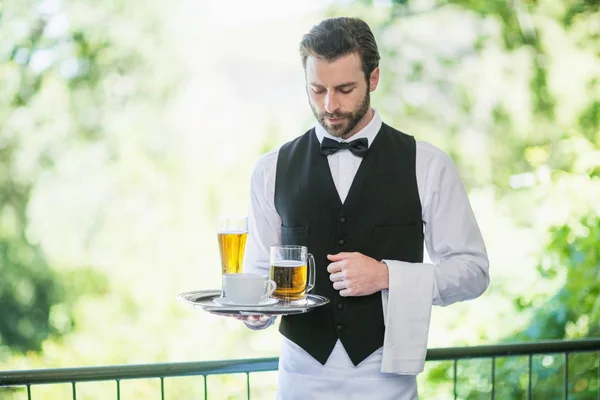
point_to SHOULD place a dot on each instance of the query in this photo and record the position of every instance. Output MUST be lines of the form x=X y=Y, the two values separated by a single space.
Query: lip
x=335 y=120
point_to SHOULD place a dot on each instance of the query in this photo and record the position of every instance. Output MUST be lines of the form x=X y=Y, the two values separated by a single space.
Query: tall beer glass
x=232 y=233
x=293 y=270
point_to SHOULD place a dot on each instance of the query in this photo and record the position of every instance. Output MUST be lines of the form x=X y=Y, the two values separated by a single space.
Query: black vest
x=380 y=218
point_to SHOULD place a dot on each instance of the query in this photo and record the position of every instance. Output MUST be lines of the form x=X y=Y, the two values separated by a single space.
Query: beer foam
x=289 y=263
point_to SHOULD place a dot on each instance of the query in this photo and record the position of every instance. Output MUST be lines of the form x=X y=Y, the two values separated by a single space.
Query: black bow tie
x=358 y=147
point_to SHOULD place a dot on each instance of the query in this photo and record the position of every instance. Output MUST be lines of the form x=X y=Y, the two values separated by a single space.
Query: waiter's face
x=339 y=94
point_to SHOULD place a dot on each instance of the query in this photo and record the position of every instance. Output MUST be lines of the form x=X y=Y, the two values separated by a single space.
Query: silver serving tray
x=203 y=299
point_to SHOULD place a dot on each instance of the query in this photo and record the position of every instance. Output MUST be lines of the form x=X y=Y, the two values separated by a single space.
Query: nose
x=331 y=102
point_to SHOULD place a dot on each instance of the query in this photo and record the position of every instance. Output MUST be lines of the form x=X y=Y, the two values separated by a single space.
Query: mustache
x=334 y=115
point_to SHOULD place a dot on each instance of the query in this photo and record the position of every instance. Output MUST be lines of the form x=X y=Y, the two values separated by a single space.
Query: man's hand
x=355 y=274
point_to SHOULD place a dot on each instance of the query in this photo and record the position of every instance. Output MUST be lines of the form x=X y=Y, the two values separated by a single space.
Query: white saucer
x=224 y=301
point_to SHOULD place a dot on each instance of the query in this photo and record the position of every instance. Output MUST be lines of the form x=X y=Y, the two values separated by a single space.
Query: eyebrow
x=342 y=86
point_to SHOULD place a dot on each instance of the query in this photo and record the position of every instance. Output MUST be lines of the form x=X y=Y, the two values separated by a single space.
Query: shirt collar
x=369 y=131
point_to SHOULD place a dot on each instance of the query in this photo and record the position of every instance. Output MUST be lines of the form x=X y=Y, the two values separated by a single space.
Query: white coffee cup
x=247 y=288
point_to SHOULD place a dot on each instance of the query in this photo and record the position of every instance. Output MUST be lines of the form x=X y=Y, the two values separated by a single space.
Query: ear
x=374 y=79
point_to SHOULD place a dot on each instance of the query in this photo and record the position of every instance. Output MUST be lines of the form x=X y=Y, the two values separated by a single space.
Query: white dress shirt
x=459 y=272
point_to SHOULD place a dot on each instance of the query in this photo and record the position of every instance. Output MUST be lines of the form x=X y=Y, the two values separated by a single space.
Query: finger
x=265 y=318
x=338 y=276
x=248 y=318
x=339 y=285
x=335 y=266
x=346 y=292
x=339 y=256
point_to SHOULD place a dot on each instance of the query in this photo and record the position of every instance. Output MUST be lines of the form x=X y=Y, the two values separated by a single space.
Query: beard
x=350 y=119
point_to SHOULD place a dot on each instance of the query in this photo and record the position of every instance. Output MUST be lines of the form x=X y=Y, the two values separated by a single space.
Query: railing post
x=248 y=385
x=530 y=373
x=454 y=376
x=566 y=378
x=118 y=389
x=28 y=392
x=205 y=387
x=74 y=391
x=162 y=388
x=493 y=378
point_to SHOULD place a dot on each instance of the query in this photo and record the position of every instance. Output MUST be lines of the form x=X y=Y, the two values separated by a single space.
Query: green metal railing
x=118 y=373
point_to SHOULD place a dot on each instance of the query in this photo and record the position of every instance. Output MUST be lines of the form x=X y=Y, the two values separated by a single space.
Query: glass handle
x=311 y=273
x=270 y=287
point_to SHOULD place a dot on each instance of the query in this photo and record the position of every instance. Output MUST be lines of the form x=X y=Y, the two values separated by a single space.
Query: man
x=362 y=197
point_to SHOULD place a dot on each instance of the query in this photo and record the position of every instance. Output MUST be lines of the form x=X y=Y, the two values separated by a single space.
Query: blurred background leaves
x=127 y=127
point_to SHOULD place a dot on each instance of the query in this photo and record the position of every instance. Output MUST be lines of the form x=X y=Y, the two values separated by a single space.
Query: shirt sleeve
x=264 y=223
x=452 y=236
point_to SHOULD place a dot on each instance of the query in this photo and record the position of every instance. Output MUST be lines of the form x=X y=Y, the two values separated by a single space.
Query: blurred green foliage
x=51 y=73
x=510 y=89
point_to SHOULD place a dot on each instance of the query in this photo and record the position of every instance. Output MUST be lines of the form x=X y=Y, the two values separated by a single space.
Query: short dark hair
x=334 y=38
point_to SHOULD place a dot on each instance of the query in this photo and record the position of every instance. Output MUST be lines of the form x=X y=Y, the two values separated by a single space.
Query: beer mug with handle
x=293 y=270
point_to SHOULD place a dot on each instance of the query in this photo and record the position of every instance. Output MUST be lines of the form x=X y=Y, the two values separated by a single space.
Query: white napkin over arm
x=459 y=269
x=407 y=311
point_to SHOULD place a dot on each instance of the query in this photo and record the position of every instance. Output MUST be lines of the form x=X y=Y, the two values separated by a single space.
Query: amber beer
x=232 y=246
x=290 y=278
x=290 y=273
x=232 y=234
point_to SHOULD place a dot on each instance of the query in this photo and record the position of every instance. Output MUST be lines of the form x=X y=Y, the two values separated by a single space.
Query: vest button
x=342 y=220
x=339 y=327
x=340 y=306
x=341 y=242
